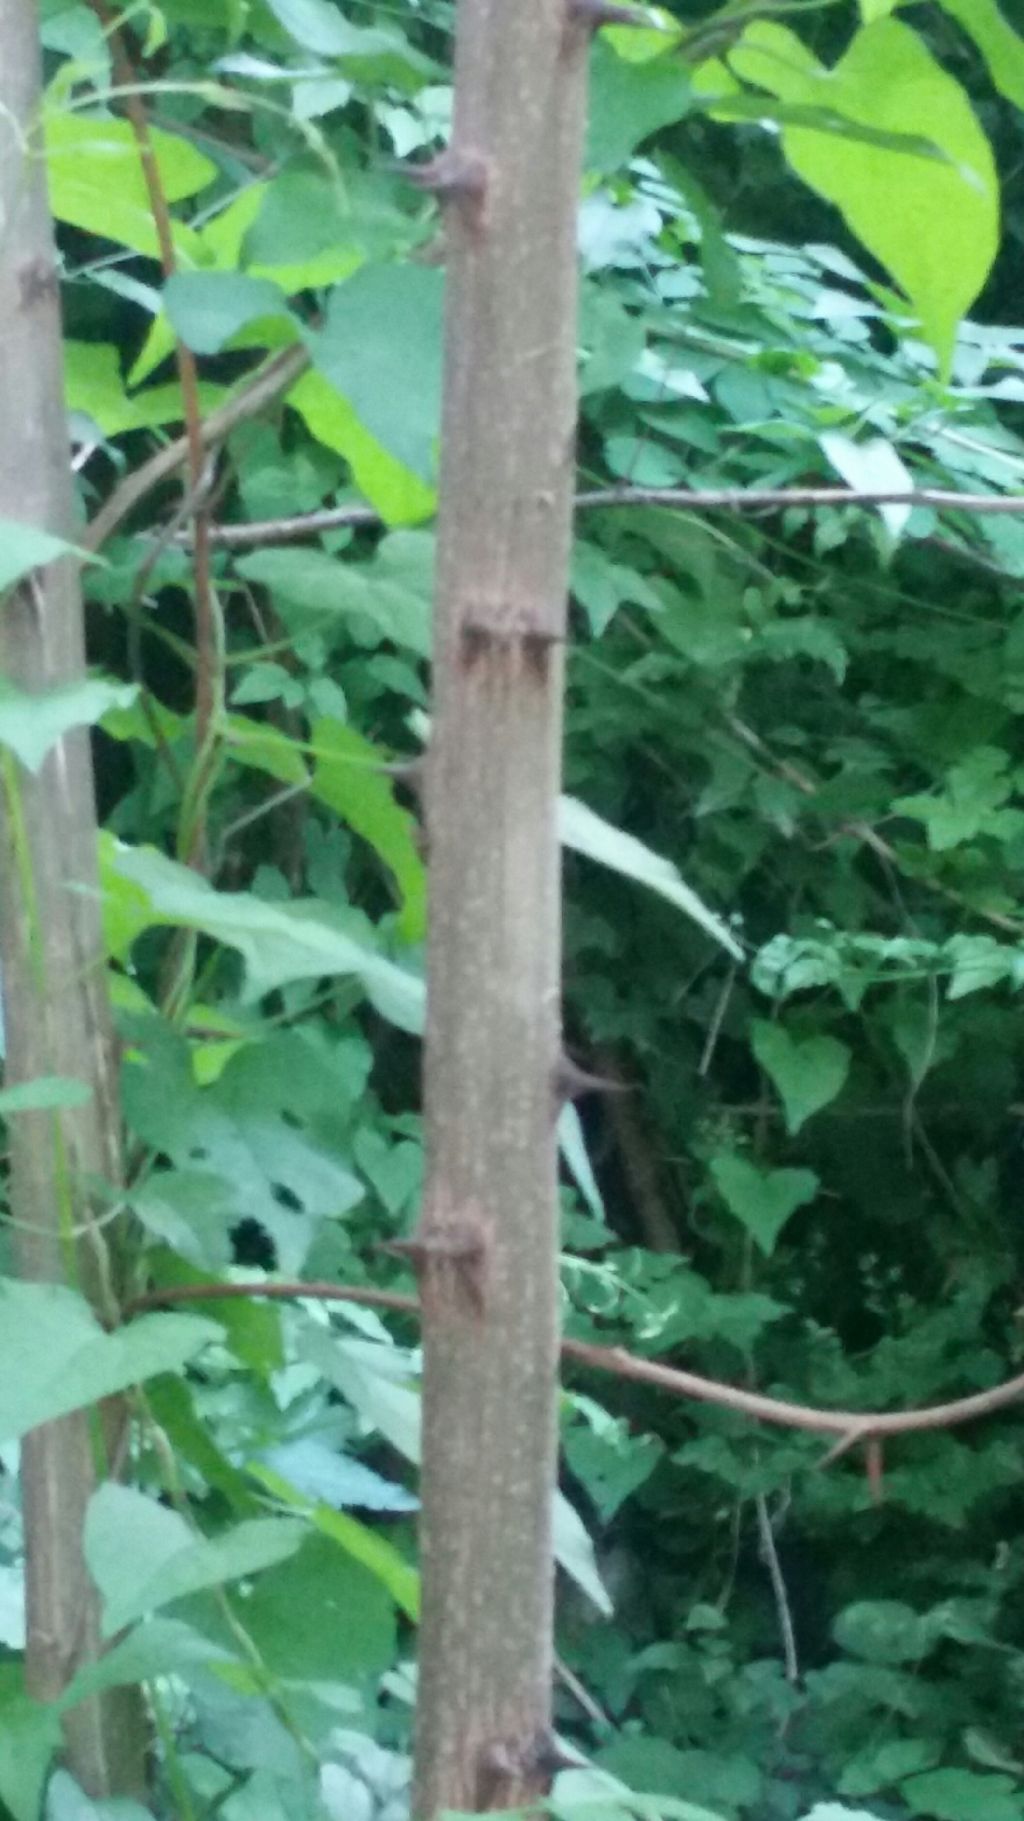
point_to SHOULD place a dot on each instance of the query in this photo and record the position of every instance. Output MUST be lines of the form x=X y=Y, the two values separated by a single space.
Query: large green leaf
x=277 y=942
x=374 y=54
x=380 y=347
x=143 y=1556
x=400 y=496
x=938 y=230
x=962 y=1795
x=55 y=1357
x=97 y=182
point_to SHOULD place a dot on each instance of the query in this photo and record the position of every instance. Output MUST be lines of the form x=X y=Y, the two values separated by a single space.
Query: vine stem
x=851 y=1426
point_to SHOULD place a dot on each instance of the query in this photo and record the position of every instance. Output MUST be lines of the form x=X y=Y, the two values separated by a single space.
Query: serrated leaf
x=31 y=724
x=808 y=1072
x=55 y=1357
x=763 y=1200
x=143 y=1556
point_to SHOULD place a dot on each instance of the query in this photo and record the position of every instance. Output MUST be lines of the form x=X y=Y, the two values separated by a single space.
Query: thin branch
x=779 y=499
x=709 y=499
x=852 y=1425
x=267 y=384
x=770 y=1557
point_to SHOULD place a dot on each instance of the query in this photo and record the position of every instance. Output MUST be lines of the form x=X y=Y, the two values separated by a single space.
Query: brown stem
x=851 y=1425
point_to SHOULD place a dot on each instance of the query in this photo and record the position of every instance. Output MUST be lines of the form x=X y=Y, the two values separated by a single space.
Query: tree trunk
x=54 y=999
x=488 y=1247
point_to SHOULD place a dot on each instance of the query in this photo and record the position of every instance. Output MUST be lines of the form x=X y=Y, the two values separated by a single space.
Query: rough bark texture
x=54 y=999
x=488 y=1253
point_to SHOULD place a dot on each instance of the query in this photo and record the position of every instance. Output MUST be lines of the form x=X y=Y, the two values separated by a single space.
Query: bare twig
x=770 y=1558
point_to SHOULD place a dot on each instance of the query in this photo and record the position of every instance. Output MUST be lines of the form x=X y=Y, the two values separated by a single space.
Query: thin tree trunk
x=54 y=1001
x=487 y=1251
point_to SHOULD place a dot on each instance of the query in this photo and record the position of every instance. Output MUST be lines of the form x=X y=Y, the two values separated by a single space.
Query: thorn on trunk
x=572 y=1082
x=596 y=13
x=455 y=177
x=463 y=1244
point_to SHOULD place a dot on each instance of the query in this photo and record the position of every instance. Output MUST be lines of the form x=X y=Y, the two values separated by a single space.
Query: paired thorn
x=463 y=1244
x=455 y=177
x=507 y=1766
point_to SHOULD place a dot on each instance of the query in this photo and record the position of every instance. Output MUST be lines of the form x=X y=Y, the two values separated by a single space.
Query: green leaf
x=55 y=1357
x=380 y=348
x=97 y=182
x=762 y=1200
x=67 y=1801
x=348 y=779
x=574 y=1552
x=30 y=1734
x=883 y=1631
x=939 y=230
x=143 y=1556
x=808 y=1074
x=1001 y=47
x=153 y=1649
x=319 y=592
x=587 y=833
x=962 y=1795
x=365 y=1546
x=206 y=309
x=277 y=942
x=31 y=724
x=371 y=54
x=399 y=496
x=879 y=1766
x=871 y=467
x=44 y=1094
x=629 y=102
x=24 y=548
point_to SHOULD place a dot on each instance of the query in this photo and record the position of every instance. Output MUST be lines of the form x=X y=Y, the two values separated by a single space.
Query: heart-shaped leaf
x=762 y=1199
x=808 y=1074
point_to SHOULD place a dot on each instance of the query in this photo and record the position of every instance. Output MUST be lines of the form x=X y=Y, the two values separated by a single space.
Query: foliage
x=794 y=836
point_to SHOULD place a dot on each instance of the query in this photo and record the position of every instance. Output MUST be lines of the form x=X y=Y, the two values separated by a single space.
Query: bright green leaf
x=348 y=778
x=393 y=490
x=1001 y=47
x=97 y=183
x=939 y=229
x=30 y=1734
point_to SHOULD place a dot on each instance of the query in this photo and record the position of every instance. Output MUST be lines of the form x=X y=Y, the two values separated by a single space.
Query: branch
x=778 y=499
x=851 y=1425
x=267 y=384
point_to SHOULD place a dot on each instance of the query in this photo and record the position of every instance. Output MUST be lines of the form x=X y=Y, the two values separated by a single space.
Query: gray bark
x=489 y=1241
x=54 y=999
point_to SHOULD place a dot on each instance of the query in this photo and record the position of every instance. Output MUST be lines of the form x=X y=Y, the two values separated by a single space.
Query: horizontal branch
x=851 y=1426
x=259 y=532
